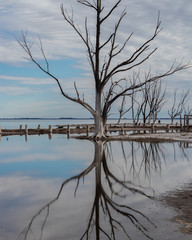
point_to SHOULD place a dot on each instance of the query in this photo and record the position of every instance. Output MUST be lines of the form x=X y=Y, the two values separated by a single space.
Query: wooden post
x=20 y=127
x=50 y=129
x=122 y=129
x=181 y=121
x=50 y=136
x=138 y=127
x=39 y=127
x=88 y=130
x=152 y=127
x=125 y=126
x=26 y=129
x=168 y=128
x=68 y=131
x=26 y=132
x=26 y=137
x=187 y=123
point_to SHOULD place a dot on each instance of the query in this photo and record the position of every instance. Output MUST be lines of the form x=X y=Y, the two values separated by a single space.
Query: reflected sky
x=41 y=157
x=31 y=174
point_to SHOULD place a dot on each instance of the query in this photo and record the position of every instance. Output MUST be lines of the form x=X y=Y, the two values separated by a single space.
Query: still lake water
x=64 y=189
x=44 y=123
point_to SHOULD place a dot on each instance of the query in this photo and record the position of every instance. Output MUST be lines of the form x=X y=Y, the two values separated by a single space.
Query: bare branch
x=76 y=91
x=123 y=46
x=113 y=40
x=87 y=3
x=102 y=46
x=27 y=47
x=122 y=110
x=122 y=67
x=85 y=39
x=43 y=53
x=110 y=12
x=139 y=85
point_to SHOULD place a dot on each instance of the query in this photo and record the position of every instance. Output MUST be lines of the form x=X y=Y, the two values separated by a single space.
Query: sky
x=27 y=92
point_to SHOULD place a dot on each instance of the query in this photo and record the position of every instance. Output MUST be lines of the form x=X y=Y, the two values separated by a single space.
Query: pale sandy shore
x=162 y=137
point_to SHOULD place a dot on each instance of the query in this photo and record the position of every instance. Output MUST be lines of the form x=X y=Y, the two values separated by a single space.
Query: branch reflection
x=112 y=187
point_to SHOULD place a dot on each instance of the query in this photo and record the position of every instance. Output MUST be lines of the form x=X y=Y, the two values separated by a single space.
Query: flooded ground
x=76 y=189
x=180 y=200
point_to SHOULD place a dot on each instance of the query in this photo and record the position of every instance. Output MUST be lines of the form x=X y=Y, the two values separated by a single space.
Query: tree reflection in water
x=109 y=187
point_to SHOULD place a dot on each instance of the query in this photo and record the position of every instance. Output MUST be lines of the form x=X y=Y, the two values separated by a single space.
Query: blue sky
x=26 y=92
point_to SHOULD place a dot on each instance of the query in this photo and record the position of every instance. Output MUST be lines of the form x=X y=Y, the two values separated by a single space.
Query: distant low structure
x=187 y=117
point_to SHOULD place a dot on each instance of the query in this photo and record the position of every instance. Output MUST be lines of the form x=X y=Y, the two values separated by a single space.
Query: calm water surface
x=71 y=189
x=44 y=123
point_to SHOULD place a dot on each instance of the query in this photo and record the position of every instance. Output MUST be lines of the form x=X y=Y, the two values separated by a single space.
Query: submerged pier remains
x=87 y=129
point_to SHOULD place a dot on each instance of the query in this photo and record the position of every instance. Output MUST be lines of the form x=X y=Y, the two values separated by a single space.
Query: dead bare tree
x=104 y=72
x=187 y=110
x=122 y=110
x=136 y=108
x=145 y=111
x=156 y=100
x=178 y=105
x=134 y=102
x=146 y=102
x=152 y=100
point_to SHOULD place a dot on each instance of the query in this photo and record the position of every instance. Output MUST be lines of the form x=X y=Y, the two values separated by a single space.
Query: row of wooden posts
x=88 y=128
x=122 y=128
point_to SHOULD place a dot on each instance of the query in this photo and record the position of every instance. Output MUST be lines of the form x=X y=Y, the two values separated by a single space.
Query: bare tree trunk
x=172 y=118
x=99 y=153
x=98 y=118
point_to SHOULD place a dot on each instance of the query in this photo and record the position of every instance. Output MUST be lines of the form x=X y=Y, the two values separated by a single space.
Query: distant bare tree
x=156 y=100
x=145 y=111
x=122 y=110
x=188 y=110
x=134 y=101
x=153 y=99
x=147 y=102
x=135 y=108
x=178 y=105
x=104 y=71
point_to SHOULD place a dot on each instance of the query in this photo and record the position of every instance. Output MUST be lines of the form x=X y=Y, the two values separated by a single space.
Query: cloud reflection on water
x=23 y=196
x=40 y=156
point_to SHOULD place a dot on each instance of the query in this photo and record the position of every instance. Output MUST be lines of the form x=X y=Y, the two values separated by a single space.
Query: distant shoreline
x=73 y=118
x=69 y=118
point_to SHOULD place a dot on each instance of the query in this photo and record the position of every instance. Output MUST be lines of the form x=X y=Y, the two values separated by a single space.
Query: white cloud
x=8 y=90
x=26 y=199
x=28 y=80
x=61 y=42
x=57 y=153
x=45 y=18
